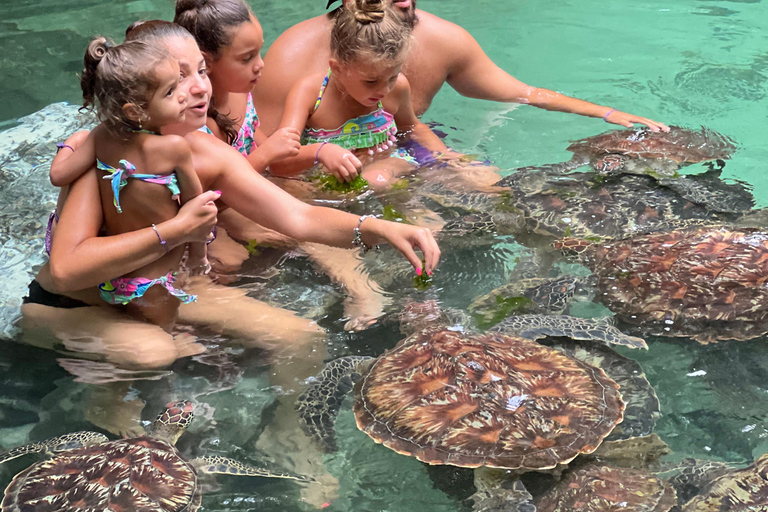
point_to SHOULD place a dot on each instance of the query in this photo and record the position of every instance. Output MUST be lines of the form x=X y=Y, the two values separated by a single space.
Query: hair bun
x=369 y=11
x=98 y=48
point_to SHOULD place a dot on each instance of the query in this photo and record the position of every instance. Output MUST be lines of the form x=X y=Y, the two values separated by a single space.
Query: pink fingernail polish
x=429 y=272
x=218 y=191
x=418 y=271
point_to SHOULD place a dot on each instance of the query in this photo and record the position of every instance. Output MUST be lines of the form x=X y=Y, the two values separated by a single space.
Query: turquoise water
x=688 y=62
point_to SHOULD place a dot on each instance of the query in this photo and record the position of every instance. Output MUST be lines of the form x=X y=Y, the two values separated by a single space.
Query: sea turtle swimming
x=705 y=282
x=146 y=473
x=599 y=488
x=530 y=204
x=655 y=154
x=450 y=397
x=730 y=490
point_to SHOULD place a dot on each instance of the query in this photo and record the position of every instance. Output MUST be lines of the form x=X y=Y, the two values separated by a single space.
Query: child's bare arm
x=408 y=122
x=69 y=164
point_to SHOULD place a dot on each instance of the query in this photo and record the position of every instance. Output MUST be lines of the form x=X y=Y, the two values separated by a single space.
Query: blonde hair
x=115 y=75
x=369 y=29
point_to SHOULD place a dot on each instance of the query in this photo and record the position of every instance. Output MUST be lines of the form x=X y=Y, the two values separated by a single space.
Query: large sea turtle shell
x=679 y=144
x=600 y=488
x=144 y=474
x=470 y=400
x=736 y=490
x=706 y=282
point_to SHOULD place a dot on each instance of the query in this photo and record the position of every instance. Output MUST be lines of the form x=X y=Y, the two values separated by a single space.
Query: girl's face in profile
x=367 y=82
x=239 y=66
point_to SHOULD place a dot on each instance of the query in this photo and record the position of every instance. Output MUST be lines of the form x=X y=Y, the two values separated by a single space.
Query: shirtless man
x=442 y=52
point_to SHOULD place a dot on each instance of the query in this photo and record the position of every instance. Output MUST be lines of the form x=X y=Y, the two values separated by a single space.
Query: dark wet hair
x=370 y=29
x=115 y=75
x=213 y=24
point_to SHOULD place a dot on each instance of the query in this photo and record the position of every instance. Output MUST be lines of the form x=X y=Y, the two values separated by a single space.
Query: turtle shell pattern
x=598 y=488
x=739 y=490
x=493 y=400
x=705 y=282
x=682 y=145
x=142 y=474
x=614 y=209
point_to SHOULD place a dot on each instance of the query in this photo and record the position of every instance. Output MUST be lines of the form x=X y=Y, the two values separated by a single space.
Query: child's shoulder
x=312 y=82
x=173 y=147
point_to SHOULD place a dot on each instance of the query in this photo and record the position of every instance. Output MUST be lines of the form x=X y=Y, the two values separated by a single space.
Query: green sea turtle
x=531 y=204
x=655 y=154
x=731 y=490
x=699 y=281
x=450 y=397
x=600 y=488
x=146 y=473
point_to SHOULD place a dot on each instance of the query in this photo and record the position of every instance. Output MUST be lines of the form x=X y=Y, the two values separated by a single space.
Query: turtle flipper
x=720 y=198
x=319 y=404
x=63 y=443
x=534 y=327
x=498 y=491
x=214 y=464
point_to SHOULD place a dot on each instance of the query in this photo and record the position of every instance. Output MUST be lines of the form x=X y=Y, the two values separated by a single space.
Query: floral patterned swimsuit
x=244 y=142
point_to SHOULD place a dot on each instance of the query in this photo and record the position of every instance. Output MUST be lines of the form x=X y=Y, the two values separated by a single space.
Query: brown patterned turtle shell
x=142 y=474
x=738 y=490
x=703 y=282
x=598 y=488
x=448 y=397
x=682 y=145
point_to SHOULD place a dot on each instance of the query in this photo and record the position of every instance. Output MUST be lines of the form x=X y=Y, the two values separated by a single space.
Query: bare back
x=142 y=203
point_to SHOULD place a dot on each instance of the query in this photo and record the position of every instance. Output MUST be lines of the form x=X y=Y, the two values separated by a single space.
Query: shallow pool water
x=689 y=62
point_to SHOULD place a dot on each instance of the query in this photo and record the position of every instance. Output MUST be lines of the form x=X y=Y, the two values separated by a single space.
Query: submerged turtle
x=705 y=282
x=146 y=473
x=655 y=154
x=734 y=490
x=470 y=400
x=598 y=488
x=580 y=205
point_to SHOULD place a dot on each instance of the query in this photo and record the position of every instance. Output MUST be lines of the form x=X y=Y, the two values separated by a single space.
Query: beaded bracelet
x=605 y=117
x=357 y=240
x=61 y=146
x=162 y=242
x=317 y=155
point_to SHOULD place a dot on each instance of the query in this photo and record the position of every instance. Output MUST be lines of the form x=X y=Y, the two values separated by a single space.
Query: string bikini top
x=376 y=130
x=244 y=142
x=119 y=176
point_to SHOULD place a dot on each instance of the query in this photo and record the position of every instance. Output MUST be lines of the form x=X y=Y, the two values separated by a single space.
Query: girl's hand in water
x=340 y=162
x=406 y=238
x=624 y=119
x=198 y=217
x=284 y=143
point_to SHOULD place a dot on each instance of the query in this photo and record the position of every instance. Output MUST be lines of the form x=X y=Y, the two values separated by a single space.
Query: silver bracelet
x=357 y=240
x=162 y=242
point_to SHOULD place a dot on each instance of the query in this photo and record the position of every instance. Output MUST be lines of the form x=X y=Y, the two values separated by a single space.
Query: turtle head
x=173 y=421
x=611 y=163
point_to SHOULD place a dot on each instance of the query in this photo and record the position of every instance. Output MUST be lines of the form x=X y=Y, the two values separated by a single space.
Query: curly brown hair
x=369 y=29
x=115 y=75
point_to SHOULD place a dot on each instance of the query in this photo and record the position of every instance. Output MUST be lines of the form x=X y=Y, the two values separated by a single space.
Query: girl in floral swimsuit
x=364 y=101
x=231 y=39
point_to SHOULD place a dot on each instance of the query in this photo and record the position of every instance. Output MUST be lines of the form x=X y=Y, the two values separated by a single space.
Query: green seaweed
x=423 y=281
x=253 y=248
x=331 y=183
x=392 y=214
x=401 y=184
